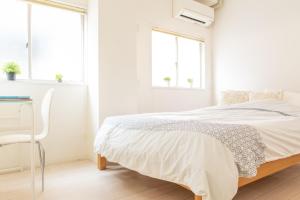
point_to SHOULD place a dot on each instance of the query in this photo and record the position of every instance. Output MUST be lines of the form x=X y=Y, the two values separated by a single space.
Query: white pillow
x=292 y=98
x=266 y=95
x=233 y=97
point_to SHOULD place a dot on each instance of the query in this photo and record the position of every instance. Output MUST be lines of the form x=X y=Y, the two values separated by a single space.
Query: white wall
x=67 y=137
x=118 y=71
x=257 y=45
x=93 y=73
x=125 y=58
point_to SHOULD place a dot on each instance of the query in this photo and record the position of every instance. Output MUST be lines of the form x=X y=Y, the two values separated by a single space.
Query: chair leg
x=42 y=162
x=40 y=153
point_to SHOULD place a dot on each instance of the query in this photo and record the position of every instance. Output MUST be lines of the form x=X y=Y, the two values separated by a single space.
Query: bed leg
x=101 y=162
x=198 y=197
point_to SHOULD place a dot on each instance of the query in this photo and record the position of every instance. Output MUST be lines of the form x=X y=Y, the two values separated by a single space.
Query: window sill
x=41 y=82
x=177 y=88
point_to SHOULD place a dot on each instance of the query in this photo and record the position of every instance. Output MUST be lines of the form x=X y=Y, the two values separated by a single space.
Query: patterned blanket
x=243 y=141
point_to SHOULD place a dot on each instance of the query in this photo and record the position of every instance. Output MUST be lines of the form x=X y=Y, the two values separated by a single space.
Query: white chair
x=16 y=138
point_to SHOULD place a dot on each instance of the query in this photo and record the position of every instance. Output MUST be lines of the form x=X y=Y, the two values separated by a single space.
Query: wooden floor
x=81 y=180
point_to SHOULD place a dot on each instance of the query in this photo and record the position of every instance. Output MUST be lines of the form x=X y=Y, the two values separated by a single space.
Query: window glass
x=176 y=61
x=13 y=35
x=189 y=66
x=163 y=59
x=56 y=44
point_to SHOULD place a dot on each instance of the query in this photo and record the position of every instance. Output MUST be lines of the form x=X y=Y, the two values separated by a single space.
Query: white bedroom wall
x=125 y=58
x=93 y=74
x=67 y=137
x=118 y=75
x=257 y=45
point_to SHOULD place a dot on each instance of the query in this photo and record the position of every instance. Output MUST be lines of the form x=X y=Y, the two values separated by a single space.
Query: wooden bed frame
x=263 y=171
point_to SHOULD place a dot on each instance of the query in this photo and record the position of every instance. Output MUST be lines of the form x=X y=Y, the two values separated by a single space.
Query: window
x=177 y=61
x=43 y=40
x=13 y=34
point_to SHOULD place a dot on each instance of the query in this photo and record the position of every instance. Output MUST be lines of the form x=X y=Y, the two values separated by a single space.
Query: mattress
x=201 y=162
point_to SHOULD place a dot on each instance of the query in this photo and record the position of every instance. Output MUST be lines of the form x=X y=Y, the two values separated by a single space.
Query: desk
x=32 y=157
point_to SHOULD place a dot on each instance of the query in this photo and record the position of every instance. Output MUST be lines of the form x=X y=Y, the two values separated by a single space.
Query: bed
x=211 y=151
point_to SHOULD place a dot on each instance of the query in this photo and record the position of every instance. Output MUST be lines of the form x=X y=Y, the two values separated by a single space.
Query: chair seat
x=17 y=138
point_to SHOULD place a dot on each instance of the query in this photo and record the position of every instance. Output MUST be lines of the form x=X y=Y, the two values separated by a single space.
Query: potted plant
x=11 y=69
x=168 y=80
x=190 y=81
x=59 y=77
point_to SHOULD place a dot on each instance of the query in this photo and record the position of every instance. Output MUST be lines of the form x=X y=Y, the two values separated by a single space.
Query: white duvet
x=200 y=161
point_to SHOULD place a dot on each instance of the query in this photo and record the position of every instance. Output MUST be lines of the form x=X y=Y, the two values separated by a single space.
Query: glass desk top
x=15 y=99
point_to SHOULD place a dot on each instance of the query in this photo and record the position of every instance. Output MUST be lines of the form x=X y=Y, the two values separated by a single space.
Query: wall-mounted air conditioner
x=209 y=2
x=192 y=11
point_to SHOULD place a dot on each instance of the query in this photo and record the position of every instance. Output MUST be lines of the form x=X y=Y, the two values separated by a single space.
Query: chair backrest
x=45 y=112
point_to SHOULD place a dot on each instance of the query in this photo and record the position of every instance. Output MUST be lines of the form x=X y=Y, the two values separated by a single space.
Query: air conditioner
x=209 y=2
x=192 y=11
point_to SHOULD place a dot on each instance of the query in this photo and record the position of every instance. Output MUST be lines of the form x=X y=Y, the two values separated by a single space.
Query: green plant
x=59 y=77
x=168 y=80
x=190 y=81
x=11 y=67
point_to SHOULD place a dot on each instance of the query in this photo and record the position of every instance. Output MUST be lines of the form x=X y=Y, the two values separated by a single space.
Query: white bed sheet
x=200 y=161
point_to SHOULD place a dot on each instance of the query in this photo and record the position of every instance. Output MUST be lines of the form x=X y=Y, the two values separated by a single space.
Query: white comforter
x=196 y=160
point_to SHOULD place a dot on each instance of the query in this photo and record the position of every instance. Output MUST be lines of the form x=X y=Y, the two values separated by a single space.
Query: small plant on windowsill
x=191 y=82
x=59 y=77
x=168 y=80
x=11 y=69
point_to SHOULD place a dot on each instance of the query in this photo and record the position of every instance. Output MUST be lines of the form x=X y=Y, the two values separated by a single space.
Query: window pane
x=13 y=34
x=189 y=63
x=56 y=44
x=163 y=59
x=177 y=58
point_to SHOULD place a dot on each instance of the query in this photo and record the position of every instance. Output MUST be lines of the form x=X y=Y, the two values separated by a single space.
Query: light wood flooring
x=82 y=181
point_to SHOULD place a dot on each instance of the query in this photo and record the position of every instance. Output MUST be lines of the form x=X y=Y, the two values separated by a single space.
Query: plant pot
x=11 y=76
x=59 y=80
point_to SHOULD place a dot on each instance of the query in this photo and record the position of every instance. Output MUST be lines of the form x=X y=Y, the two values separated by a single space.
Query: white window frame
x=202 y=63
x=29 y=46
